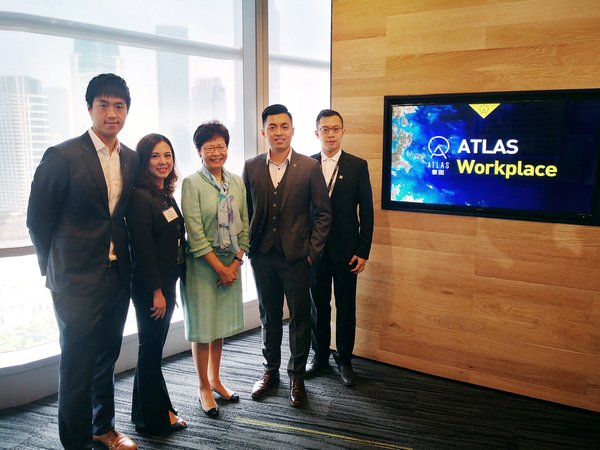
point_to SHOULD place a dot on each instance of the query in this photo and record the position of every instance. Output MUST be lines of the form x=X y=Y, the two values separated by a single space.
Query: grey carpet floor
x=390 y=408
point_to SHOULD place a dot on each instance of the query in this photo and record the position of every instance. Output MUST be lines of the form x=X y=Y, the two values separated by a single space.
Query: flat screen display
x=521 y=155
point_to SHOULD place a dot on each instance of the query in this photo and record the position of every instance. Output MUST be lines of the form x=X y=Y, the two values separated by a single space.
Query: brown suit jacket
x=305 y=215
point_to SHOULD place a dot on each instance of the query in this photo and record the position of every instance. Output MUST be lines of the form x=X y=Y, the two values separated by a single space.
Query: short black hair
x=208 y=131
x=274 y=110
x=329 y=113
x=107 y=85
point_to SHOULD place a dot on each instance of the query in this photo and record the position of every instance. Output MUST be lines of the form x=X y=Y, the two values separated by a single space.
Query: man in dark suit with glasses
x=347 y=249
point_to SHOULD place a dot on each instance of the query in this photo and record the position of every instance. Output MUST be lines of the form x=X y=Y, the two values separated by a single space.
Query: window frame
x=40 y=366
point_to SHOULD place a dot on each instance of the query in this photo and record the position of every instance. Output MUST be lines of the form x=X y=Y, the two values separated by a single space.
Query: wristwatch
x=240 y=260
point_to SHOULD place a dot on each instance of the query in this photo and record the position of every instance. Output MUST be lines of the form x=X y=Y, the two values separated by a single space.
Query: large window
x=299 y=64
x=184 y=63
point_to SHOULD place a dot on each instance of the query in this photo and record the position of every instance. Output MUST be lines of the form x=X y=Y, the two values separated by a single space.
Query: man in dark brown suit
x=290 y=217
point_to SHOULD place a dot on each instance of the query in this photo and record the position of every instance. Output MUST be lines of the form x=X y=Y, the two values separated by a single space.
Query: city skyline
x=27 y=129
x=215 y=89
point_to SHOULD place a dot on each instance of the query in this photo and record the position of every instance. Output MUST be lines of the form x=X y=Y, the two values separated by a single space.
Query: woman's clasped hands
x=228 y=275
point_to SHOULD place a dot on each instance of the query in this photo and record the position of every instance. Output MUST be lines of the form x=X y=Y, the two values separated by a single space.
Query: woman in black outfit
x=157 y=234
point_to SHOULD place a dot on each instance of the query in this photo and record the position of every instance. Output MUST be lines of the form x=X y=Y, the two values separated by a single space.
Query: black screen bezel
x=499 y=213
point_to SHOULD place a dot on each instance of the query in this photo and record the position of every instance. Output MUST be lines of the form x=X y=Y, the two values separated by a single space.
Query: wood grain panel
x=486 y=14
x=533 y=364
x=355 y=65
x=571 y=254
x=565 y=329
x=360 y=27
x=434 y=241
x=507 y=304
x=553 y=33
x=549 y=296
x=410 y=40
x=425 y=222
x=539 y=272
x=474 y=61
x=551 y=78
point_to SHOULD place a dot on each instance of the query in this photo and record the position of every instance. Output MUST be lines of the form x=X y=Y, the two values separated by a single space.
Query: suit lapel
x=264 y=182
x=291 y=173
x=126 y=174
x=258 y=173
x=90 y=157
x=127 y=177
x=340 y=175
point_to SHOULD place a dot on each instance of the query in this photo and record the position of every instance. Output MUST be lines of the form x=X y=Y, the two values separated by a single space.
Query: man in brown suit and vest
x=290 y=217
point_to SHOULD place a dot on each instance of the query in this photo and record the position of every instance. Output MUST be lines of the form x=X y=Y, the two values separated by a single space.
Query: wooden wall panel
x=512 y=305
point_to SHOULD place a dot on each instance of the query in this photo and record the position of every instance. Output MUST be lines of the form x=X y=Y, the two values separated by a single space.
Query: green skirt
x=210 y=311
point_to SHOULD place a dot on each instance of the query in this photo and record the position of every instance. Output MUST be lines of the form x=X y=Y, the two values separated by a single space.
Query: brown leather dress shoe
x=114 y=440
x=261 y=387
x=297 y=392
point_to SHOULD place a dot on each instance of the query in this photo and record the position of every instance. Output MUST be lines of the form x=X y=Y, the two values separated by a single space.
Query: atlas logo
x=439 y=146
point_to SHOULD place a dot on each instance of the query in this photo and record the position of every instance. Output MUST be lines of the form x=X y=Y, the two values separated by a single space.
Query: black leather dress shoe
x=262 y=386
x=297 y=392
x=348 y=376
x=313 y=367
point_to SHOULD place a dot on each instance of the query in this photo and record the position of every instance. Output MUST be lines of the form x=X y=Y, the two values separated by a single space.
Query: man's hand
x=360 y=264
x=159 y=305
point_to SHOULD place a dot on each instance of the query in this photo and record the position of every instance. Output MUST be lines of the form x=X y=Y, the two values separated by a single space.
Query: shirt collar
x=288 y=160
x=99 y=145
x=334 y=158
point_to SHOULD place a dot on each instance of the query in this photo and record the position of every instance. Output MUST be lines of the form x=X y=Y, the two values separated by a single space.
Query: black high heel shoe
x=233 y=398
x=212 y=412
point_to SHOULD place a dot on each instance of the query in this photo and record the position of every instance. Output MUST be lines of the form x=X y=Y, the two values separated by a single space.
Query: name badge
x=170 y=214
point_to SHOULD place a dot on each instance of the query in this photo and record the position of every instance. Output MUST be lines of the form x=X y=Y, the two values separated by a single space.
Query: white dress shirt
x=328 y=165
x=111 y=167
x=278 y=171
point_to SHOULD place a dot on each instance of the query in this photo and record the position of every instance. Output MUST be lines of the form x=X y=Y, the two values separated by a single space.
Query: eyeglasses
x=327 y=130
x=211 y=150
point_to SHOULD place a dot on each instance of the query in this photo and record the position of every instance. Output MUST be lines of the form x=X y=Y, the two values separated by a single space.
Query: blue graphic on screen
x=536 y=155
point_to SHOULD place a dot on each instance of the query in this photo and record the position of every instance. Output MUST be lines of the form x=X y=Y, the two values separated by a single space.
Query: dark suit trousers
x=151 y=402
x=275 y=277
x=91 y=331
x=344 y=286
